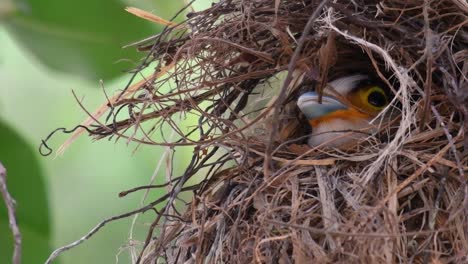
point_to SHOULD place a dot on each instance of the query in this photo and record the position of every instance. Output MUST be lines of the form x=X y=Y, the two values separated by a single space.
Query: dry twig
x=11 y=207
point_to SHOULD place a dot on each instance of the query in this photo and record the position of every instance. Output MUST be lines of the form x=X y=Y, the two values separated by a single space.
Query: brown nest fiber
x=263 y=196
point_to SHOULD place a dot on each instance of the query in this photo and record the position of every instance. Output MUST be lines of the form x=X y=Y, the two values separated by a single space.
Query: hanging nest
x=261 y=194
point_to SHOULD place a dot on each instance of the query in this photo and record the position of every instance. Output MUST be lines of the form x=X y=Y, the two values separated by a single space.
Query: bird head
x=348 y=105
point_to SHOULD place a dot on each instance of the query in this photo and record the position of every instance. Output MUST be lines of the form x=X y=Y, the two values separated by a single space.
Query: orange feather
x=346 y=114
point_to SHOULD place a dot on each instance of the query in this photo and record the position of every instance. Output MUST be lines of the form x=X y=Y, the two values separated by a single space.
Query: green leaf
x=26 y=184
x=84 y=38
x=35 y=245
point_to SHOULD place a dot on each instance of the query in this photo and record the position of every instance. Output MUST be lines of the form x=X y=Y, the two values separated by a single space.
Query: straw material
x=398 y=196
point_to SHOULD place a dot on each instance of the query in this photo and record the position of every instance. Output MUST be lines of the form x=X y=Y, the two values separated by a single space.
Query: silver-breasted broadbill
x=348 y=106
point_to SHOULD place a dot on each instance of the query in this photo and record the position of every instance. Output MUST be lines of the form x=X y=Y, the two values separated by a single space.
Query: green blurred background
x=47 y=49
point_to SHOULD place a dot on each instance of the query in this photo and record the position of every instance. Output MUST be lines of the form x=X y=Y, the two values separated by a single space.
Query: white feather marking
x=346 y=84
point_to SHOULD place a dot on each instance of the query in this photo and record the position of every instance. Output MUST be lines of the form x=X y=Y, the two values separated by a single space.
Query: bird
x=348 y=106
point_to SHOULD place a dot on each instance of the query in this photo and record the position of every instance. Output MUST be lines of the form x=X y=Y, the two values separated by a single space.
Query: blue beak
x=308 y=103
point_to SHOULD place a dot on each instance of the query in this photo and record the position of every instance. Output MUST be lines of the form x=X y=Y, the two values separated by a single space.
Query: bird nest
x=259 y=192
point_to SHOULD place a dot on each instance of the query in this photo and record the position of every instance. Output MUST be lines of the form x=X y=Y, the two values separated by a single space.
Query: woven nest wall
x=261 y=193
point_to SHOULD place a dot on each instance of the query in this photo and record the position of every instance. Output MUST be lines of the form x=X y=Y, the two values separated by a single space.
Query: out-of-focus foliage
x=84 y=38
x=82 y=185
x=26 y=184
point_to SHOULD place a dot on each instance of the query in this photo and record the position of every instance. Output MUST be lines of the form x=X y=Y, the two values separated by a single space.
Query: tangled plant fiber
x=400 y=195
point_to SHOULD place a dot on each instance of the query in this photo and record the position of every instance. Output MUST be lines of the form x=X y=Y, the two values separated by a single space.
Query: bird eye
x=377 y=97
